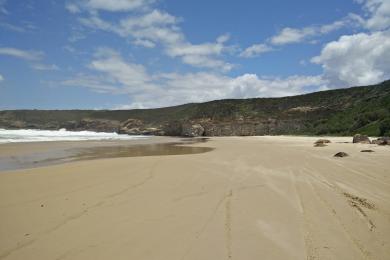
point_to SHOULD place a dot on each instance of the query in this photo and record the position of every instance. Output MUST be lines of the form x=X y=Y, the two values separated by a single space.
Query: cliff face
x=337 y=112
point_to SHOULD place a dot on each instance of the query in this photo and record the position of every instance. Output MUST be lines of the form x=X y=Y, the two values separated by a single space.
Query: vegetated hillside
x=348 y=111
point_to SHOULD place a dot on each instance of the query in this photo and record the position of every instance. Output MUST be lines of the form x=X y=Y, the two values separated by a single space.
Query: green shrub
x=384 y=127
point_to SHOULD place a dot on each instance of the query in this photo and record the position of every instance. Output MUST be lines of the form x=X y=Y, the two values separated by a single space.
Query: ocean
x=29 y=135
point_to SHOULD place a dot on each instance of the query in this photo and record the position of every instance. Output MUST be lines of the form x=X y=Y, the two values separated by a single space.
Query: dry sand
x=250 y=198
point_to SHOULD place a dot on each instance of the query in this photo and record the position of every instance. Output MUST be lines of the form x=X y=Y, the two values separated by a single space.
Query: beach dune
x=249 y=198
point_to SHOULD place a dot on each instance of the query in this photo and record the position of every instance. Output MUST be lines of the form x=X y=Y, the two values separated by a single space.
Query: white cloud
x=158 y=27
x=144 y=43
x=22 y=54
x=2 y=8
x=12 y=27
x=223 y=38
x=293 y=35
x=358 y=59
x=110 y=73
x=255 y=50
x=41 y=66
x=378 y=12
x=73 y=8
x=34 y=58
x=107 y=5
x=1 y=78
x=290 y=35
x=130 y=75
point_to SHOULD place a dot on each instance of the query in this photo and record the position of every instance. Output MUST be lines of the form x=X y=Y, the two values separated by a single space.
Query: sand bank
x=250 y=198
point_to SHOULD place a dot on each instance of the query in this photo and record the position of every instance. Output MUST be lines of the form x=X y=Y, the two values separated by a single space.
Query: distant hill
x=364 y=110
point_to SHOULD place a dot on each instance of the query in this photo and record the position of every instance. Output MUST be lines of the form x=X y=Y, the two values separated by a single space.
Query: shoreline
x=25 y=155
x=251 y=198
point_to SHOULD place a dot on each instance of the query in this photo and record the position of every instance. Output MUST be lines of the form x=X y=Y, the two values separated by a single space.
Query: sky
x=124 y=54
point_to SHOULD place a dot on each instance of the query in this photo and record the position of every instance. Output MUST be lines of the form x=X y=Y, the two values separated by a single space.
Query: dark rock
x=341 y=154
x=172 y=128
x=192 y=130
x=382 y=141
x=70 y=125
x=367 y=151
x=319 y=145
x=363 y=139
x=322 y=141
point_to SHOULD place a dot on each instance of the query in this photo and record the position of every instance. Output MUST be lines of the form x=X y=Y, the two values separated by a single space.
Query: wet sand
x=37 y=154
x=249 y=198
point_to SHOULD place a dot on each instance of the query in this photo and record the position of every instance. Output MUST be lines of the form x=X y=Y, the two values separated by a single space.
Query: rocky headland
x=364 y=110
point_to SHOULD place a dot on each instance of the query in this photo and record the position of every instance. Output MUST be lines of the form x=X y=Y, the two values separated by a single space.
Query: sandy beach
x=248 y=198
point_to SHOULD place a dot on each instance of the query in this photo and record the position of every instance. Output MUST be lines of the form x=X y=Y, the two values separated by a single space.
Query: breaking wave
x=29 y=135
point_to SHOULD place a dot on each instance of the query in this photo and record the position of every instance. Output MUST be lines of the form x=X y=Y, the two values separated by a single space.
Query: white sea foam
x=29 y=135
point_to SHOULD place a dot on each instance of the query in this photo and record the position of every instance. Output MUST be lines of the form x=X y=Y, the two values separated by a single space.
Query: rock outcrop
x=96 y=125
x=363 y=139
x=382 y=141
x=137 y=127
x=192 y=130
x=249 y=127
x=323 y=113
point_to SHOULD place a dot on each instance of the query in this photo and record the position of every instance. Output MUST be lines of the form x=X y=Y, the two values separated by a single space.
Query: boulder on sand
x=363 y=139
x=321 y=142
x=382 y=141
x=341 y=154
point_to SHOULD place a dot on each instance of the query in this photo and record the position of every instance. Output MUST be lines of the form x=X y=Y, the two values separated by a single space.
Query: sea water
x=30 y=135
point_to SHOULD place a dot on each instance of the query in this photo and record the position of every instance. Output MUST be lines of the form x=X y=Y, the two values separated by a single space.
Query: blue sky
x=119 y=54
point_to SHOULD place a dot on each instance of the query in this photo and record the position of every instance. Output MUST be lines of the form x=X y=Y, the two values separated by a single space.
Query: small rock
x=322 y=141
x=42 y=205
x=319 y=145
x=367 y=151
x=363 y=139
x=341 y=154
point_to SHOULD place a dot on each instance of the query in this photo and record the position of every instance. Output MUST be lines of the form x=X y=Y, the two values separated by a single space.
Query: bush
x=384 y=127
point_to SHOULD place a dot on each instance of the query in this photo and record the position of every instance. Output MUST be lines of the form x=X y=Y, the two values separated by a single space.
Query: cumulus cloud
x=105 y=5
x=293 y=35
x=22 y=54
x=144 y=43
x=111 y=73
x=130 y=75
x=378 y=14
x=358 y=59
x=290 y=35
x=1 y=78
x=377 y=18
x=255 y=50
x=157 y=27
